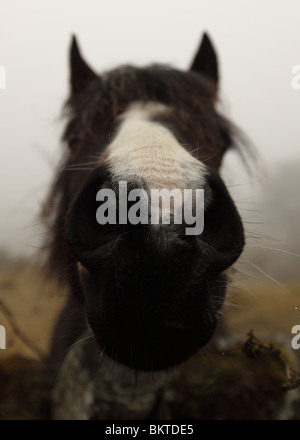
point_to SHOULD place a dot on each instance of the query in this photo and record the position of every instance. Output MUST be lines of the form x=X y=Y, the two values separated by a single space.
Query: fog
x=258 y=44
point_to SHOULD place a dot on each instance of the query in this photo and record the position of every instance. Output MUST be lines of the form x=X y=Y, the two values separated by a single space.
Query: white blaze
x=147 y=149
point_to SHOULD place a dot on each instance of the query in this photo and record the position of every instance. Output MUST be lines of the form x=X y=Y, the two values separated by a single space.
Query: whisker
x=245 y=273
x=79 y=169
x=244 y=286
x=264 y=273
x=75 y=165
x=75 y=344
x=275 y=249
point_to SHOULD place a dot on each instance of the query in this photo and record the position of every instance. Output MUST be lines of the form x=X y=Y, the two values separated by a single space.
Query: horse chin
x=154 y=349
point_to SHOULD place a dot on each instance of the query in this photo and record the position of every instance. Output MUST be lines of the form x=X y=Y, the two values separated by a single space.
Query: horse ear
x=205 y=60
x=81 y=73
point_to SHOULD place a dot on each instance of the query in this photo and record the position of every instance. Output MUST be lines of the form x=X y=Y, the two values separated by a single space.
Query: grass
x=268 y=308
x=31 y=303
x=34 y=303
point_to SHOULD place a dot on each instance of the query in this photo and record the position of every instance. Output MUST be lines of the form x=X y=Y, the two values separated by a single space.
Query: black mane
x=92 y=120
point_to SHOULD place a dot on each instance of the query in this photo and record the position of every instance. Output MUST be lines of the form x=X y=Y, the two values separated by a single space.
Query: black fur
x=150 y=295
x=205 y=61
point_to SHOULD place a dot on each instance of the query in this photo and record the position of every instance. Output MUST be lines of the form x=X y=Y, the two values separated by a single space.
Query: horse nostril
x=83 y=233
x=223 y=229
x=217 y=261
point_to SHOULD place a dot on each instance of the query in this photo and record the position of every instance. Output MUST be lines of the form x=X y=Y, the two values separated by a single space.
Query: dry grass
x=34 y=303
x=268 y=308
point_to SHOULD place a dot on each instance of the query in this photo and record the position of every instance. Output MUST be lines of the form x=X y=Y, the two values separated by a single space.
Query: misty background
x=258 y=43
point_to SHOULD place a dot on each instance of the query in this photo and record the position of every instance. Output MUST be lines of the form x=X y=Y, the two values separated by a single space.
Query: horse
x=150 y=294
